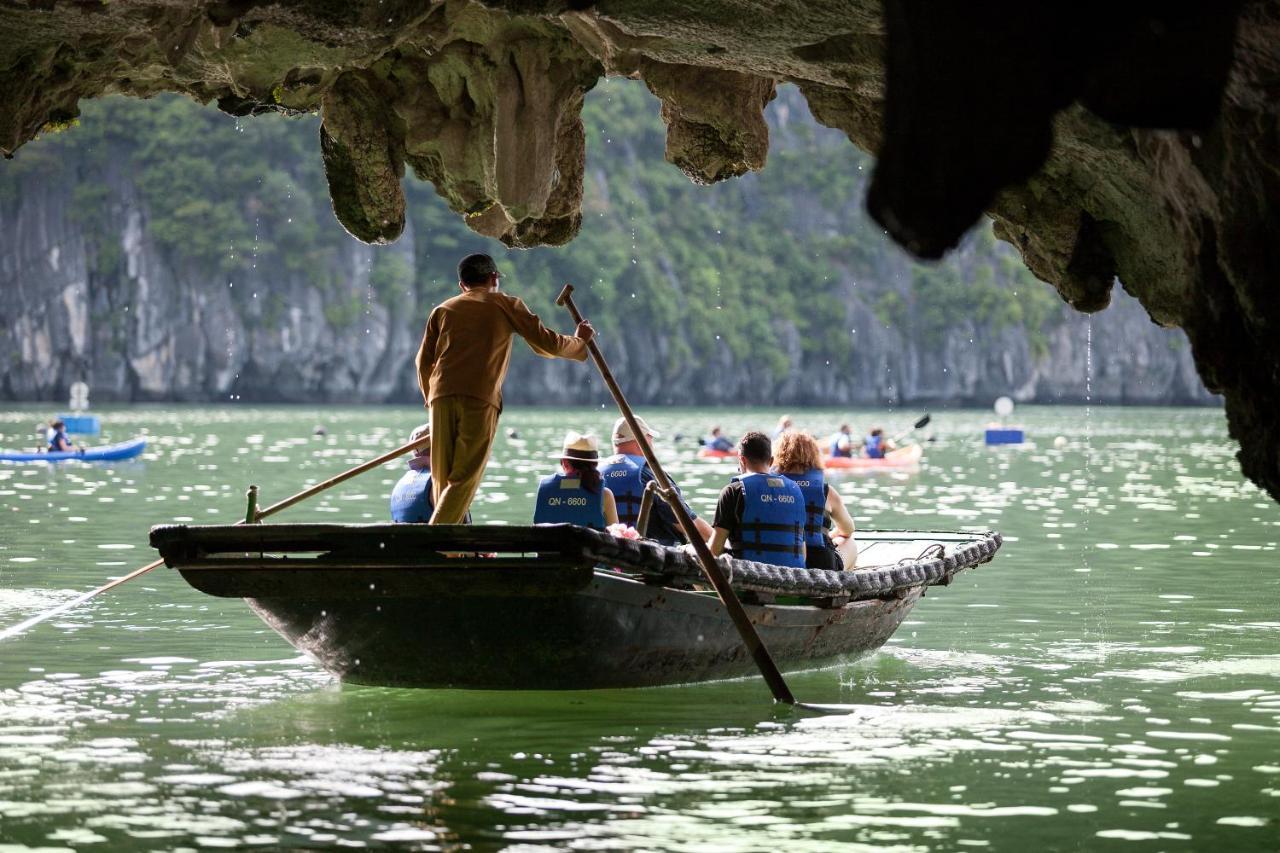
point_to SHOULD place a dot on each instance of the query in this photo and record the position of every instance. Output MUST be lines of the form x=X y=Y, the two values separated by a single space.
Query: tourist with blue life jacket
x=842 y=442
x=57 y=437
x=576 y=494
x=718 y=441
x=760 y=515
x=797 y=457
x=626 y=473
x=411 y=499
x=875 y=446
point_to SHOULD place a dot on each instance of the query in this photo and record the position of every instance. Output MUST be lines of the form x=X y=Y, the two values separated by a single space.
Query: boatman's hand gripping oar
x=741 y=621
x=254 y=515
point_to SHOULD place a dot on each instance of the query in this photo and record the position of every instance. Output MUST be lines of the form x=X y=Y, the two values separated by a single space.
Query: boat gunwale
x=401 y=548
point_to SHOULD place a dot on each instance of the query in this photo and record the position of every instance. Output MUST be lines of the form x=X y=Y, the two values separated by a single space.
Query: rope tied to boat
x=933 y=566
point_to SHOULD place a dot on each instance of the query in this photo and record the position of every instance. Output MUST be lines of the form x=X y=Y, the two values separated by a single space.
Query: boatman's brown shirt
x=467 y=345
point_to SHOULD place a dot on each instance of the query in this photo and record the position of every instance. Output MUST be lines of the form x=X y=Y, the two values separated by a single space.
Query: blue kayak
x=106 y=453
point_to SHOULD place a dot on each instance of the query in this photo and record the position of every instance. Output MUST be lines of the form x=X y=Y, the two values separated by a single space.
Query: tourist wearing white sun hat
x=576 y=494
x=627 y=474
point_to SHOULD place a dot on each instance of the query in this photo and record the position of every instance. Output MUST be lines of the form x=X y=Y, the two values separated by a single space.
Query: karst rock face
x=1133 y=141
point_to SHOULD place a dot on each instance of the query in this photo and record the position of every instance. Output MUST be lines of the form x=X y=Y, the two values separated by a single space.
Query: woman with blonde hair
x=797 y=457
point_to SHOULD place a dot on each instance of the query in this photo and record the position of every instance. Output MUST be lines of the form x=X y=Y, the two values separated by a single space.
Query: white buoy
x=79 y=401
x=1060 y=442
x=1004 y=407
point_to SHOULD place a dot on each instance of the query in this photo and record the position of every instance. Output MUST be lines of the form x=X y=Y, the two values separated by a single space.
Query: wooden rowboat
x=554 y=607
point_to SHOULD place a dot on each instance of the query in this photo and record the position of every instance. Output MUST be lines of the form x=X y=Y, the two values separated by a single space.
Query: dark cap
x=476 y=269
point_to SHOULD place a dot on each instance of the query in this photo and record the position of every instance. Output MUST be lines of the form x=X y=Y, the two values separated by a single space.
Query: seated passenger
x=784 y=424
x=797 y=458
x=842 y=442
x=760 y=515
x=411 y=499
x=717 y=441
x=577 y=494
x=876 y=445
x=627 y=473
x=57 y=437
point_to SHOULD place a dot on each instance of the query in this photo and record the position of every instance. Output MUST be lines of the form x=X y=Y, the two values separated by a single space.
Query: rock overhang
x=1134 y=141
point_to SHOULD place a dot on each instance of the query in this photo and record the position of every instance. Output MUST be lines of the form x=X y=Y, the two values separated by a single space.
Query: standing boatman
x=462 y=363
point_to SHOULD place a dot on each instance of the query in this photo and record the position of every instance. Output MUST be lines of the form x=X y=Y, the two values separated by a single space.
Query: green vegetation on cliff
x=768 y=271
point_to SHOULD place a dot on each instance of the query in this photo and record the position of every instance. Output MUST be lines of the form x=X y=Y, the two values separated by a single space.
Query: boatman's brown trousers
x=462 y=430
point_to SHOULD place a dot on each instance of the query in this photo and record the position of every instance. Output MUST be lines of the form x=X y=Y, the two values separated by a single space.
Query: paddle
x=17 y=629
x=920 y=424
x=741 y=621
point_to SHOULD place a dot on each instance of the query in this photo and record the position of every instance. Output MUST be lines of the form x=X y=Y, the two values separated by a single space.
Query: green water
x=1110 y=681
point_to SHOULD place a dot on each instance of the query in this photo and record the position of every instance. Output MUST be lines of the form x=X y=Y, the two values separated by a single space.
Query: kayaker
x=875 y=446
x=797 y=457
x=57 y=437
x=577 y=494
x=626 y=473
x=462 y=363
x=784 y=424
x=842 y=442
x=760 y=515
x=718 y=441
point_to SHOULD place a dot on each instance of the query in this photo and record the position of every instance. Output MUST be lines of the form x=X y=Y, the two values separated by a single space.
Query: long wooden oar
x=15 y=630
x=750 y=637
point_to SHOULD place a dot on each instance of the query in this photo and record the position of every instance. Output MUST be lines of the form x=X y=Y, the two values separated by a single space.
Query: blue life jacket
x=54 y=436
x=836 y=450
x=719 y=443
x=563 y=500
x=621 y=475
x=875 y=446
x=813 y=487
x=773 y=520
x=411 y=499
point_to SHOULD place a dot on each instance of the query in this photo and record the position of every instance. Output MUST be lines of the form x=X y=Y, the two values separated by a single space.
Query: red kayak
x=903 y=457
x=708 y=453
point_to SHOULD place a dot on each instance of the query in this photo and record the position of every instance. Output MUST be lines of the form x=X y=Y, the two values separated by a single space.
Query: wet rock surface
x=1135 y=141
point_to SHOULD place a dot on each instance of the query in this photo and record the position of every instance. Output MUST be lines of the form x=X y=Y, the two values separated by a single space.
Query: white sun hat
x=418 y=432
x=622 y=431
x=581 y=447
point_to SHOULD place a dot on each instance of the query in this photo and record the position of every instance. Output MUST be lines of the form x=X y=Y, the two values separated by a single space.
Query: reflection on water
x=1095 y=686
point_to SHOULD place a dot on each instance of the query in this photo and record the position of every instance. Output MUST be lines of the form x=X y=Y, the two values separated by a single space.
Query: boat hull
x=105 y=453
x=895 y=460
x=550 y=607
x=615 y=632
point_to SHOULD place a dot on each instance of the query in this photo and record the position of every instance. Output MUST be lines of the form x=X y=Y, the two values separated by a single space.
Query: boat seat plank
x=349 y=584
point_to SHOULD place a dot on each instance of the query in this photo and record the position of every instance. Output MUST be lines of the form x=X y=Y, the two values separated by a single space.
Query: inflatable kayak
x=106 y=453
x=903 y=457
x=708 y=453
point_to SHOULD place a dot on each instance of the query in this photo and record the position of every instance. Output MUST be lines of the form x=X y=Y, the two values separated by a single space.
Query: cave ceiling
x=1132 y=141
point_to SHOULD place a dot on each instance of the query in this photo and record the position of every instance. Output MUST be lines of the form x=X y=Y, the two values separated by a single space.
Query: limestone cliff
x=204 y=297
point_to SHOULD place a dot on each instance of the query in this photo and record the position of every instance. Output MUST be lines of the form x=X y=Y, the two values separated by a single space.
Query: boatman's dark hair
x=476 y=269
x=756 y=447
